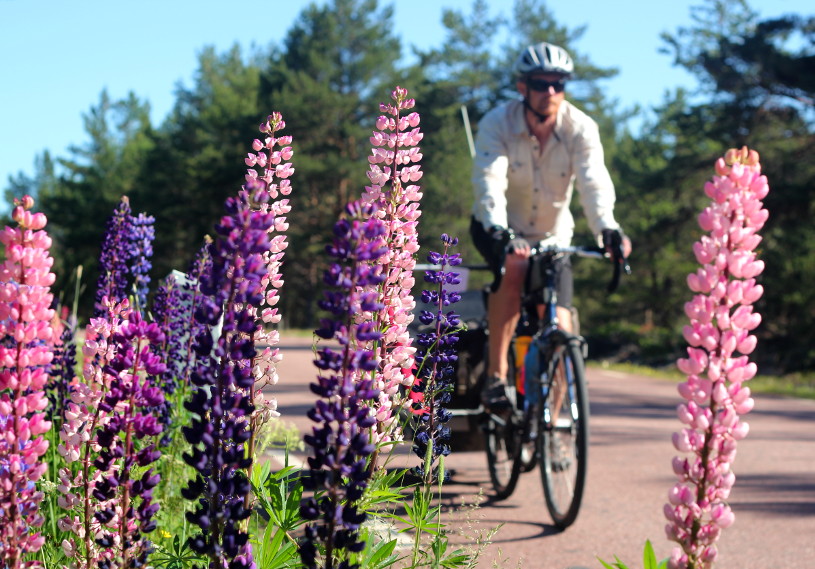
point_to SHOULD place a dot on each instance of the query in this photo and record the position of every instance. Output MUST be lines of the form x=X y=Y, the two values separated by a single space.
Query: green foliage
x=326 y=75
x=174 y=553
x=378 y=553
x=660 y=175
x=277 y=517
x=649 y=560
x=96 y=176
x=327 y=83
x=197 y=158
x=464 y=65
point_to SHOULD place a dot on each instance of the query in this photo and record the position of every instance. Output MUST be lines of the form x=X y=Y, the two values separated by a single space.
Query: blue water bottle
x=532 y=373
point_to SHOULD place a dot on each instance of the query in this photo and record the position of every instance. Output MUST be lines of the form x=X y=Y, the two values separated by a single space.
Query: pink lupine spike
x=721 y=316
x=273 y=156
x=25 y=322
x=393 y=171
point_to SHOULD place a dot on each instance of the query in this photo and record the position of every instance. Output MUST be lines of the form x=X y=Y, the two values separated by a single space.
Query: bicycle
x=549 y=424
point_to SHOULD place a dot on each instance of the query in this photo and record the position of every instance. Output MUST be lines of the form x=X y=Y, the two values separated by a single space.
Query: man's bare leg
x=503 y=312
x=558 y=389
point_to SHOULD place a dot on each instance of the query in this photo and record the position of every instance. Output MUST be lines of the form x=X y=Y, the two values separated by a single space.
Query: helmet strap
x=527 y=106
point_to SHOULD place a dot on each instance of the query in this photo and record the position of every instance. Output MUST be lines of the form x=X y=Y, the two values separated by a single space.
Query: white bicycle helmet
x=544 y=58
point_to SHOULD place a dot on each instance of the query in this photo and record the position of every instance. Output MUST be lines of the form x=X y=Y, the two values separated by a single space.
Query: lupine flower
x=124 y=453
x=25 y=324
x=114 y=258
x=720 y=338
x=85 y=415
x=142 y=237
x=393 y=170
x=222 y=401
x=174 y=309
x=271 y=156
x=435 y=359
x=62 y=374
x=340 y=440
x=126 y=249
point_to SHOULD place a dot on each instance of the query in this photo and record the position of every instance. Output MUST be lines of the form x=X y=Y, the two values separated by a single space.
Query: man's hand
x=505 y=242
x=519 y=246
x=617 y=245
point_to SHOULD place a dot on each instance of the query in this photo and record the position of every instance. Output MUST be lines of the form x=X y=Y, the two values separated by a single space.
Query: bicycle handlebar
x=620 y=265
x=581 y=251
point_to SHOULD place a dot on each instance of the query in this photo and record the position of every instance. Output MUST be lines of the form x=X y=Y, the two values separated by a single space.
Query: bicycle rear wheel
x=563 y=443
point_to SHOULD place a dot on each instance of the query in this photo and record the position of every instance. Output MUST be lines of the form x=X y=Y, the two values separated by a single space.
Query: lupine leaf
x=649 y=558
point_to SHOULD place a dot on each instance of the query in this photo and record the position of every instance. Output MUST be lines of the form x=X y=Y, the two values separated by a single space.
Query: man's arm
x=489 y=174
x=593 y=181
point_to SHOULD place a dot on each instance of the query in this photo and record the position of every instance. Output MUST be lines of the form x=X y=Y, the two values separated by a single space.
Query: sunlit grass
x=791 y=385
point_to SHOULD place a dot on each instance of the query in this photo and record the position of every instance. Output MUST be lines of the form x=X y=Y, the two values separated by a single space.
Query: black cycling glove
x=613 y=242
x=501 y=238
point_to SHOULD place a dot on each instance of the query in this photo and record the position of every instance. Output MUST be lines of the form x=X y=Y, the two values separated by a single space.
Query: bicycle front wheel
x=503 y=453
x=563 y=443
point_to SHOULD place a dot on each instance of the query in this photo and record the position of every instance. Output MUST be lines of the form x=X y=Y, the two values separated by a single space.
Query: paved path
x=633 y=418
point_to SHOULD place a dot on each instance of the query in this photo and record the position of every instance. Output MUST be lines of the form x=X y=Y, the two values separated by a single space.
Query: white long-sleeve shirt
x=518 y=186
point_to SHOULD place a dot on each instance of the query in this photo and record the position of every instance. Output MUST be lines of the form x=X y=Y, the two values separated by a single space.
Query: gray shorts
x=564 y=280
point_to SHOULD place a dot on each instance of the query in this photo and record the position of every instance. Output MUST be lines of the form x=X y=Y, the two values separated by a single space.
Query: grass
x=791 y=385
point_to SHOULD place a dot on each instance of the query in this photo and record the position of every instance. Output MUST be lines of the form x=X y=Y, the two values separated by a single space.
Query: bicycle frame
x=549 y=425
x=549 y=336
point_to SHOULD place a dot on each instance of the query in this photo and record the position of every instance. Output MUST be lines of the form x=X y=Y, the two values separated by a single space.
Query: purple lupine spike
x=132 y=396
x=174 y=309
x=435 y=359
x=340 y=440
x=166 y=308
x=231 y=293
x=114 y=258
x=62 y=374
x=142 y=235
x=126 y=250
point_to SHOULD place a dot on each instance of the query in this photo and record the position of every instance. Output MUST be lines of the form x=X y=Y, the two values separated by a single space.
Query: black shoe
x=494 y=396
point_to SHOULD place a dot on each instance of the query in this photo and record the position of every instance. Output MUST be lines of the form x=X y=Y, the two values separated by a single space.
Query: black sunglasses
x=543 y=85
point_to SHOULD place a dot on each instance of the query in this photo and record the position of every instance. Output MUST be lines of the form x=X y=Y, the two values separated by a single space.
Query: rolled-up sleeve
x=489 y=175
x=593 y=181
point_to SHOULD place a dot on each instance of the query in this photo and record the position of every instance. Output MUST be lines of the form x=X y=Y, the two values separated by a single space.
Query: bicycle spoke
x=564 y=444
x=503 y=453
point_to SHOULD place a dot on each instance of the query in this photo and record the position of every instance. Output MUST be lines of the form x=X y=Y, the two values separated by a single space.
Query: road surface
x=630 y=474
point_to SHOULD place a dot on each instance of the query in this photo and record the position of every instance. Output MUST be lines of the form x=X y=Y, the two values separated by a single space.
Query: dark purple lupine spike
x=173 y=309
x=435 y=358
x=130 y=399
x=340 y=439
x=141 y=237
x=222 y=378
x=114 y=258
x=62 y=374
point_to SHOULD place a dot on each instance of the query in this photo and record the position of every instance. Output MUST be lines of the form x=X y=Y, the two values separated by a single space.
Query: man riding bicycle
x=529 y=155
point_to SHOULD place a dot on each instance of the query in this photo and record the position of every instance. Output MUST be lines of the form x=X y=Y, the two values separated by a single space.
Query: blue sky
x=57 y=56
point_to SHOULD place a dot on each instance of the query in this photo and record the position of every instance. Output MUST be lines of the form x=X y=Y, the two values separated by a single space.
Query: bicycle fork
x=557 y=383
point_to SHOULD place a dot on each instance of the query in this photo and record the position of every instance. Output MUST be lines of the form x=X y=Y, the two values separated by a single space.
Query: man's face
x=544 y=91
